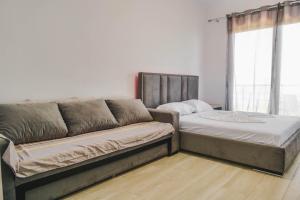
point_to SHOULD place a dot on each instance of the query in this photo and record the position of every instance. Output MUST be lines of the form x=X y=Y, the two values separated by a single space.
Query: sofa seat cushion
x=87 y=116
x=44 y=156
x=32 y=122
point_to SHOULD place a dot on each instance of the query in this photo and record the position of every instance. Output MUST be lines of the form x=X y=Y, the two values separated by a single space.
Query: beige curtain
x=273 y=16
x=264 y=17
x=289 y=12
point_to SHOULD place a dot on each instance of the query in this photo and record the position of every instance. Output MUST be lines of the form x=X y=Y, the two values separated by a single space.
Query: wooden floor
x=187 y=176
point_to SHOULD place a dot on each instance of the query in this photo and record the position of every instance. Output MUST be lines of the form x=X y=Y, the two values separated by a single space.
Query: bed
x=269 y=143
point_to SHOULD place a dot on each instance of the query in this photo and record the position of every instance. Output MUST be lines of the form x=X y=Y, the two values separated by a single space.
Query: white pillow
x=182 y=108
x=198 y=105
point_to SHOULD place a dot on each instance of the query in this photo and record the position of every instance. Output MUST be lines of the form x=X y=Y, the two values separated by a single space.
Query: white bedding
x=257 y=128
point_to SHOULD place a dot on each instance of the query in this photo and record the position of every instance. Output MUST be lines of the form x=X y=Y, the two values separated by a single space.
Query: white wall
x=214 y=63
x=64 y=48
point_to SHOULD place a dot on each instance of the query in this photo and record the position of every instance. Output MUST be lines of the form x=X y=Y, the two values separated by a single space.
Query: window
x=289 y=102
x=263 y=60
x=252 y=70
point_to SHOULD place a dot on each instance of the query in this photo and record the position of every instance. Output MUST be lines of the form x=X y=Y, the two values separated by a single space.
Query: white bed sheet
x=274 y=131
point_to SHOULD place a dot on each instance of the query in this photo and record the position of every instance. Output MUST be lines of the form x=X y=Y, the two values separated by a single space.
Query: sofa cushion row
x=35 y=122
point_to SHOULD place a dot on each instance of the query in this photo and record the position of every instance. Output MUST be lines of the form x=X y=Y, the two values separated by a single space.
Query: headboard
x=155 y=89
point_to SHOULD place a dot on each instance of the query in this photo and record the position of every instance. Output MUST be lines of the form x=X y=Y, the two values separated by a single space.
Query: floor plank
x=192 y=177
x=293 y=191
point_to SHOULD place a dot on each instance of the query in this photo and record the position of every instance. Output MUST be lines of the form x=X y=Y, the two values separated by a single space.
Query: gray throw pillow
x=26 y=123
x=129 y=111
x=87 y=116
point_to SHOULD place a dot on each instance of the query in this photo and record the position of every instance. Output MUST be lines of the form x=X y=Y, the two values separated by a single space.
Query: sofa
x=49 y=150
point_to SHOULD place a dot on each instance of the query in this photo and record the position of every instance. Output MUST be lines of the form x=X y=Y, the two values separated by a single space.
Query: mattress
x=263 y=129
x=34 y=158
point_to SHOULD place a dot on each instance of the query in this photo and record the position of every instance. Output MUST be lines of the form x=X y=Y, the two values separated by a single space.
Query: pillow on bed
x=198 y=105
x=182 y=108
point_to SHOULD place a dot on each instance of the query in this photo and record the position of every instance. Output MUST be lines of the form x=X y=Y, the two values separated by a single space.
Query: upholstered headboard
x=156 y=89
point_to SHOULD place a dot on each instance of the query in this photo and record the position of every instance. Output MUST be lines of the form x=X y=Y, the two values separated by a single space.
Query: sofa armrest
x=165 y=116
x=7 y=176
x=171 y=117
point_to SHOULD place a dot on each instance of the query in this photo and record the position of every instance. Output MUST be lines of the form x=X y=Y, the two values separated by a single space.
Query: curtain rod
x=218 y=19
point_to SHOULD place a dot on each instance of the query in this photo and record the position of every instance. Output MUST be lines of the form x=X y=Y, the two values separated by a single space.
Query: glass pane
x=252 y=70
x=289 y=103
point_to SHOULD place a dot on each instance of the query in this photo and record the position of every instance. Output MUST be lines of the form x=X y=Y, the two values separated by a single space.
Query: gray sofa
x=59 y=182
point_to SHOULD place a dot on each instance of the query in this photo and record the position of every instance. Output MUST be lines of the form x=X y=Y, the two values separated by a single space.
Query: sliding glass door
x=252 y=70
x=289 y=96
x=263 y=73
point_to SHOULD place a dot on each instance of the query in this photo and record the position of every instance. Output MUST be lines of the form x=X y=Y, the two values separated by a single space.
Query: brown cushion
x=87 y=116
x=129 y=111
x=26 y=123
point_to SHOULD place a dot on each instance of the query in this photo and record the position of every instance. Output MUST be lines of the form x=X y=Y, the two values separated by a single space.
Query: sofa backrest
x=34 y=122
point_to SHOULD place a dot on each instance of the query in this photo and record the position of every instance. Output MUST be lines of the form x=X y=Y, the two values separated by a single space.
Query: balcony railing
x=255 y=98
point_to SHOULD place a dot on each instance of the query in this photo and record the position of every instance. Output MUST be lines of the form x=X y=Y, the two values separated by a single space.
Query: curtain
x=289 y=62
x=254 y=58
x=230 y=67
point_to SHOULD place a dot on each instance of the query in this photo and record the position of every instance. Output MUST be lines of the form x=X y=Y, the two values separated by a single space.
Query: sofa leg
x=170 y=147
x=20 y=194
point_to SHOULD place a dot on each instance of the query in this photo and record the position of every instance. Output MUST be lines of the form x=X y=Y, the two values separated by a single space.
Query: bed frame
x=155 y=89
